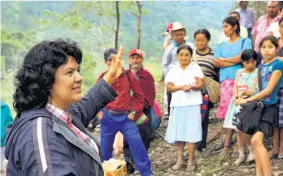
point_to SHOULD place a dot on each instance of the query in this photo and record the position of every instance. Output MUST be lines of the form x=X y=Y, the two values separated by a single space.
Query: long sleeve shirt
x=248 y=17
x=123 y=86
x=147 y=85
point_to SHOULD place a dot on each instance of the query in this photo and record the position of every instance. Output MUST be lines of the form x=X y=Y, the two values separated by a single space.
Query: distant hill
x=22 y=27
x=195 y=15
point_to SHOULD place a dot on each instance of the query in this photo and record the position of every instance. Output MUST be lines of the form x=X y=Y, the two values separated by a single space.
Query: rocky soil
x=163 y=156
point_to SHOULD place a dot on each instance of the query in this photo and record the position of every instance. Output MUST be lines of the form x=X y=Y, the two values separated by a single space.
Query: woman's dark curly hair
x=37 y=75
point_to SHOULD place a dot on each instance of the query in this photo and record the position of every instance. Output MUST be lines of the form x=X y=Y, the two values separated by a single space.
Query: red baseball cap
x=169 y=27
x=136 y=51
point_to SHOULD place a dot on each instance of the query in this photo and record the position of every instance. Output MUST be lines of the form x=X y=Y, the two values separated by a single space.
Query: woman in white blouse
x=185 y=83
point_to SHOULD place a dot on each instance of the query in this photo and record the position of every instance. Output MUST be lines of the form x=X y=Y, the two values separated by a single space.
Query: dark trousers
x=169 y=98
x=146 y=132
x=250 y=33
x=204 y=125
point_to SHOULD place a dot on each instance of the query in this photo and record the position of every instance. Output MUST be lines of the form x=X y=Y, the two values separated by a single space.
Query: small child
x=246 y=84
x=271 y=71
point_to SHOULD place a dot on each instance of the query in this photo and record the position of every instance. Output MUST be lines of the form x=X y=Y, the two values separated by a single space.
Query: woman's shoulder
x=194 y=65
x=245 y=39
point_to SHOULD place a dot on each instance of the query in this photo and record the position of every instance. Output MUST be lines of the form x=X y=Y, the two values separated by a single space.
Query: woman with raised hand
x=48 y=136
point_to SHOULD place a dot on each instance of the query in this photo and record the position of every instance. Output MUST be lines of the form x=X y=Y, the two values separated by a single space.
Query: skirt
x=226 y=93
x=184 y=125
x=230 y=115
x=269 y=115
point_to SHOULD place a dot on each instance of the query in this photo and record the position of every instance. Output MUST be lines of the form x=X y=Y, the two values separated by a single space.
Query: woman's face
x=201 y=41
x=281 y=29
x=184 y=57
x=67 y=87
x=228 y=29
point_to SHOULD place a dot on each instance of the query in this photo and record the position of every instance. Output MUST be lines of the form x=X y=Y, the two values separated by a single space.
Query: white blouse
x=180 y=77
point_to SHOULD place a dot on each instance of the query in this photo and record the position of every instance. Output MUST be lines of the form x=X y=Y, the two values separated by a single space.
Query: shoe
x=251 y=158
x=280 y=156
x=130 y=168
x=201 y=146
x=239 y=161
x=178 y=165
x=273 y=156
x=191 y=168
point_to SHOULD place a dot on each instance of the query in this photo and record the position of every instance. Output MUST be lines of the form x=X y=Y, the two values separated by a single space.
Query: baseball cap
x=136 y=51
x=169 y=27
x=108 y=52
x=177 y=26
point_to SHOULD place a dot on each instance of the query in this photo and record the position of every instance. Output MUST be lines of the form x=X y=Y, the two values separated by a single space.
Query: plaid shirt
x=67 y=118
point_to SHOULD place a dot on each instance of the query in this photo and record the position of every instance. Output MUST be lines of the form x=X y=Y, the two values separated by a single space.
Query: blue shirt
x=266 y=72
x=6 y=119
x=227 y=50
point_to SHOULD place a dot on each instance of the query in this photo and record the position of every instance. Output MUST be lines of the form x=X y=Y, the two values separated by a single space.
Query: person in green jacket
x=6 y=119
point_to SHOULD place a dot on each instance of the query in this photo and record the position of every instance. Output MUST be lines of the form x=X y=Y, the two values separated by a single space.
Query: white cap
x=177 y=26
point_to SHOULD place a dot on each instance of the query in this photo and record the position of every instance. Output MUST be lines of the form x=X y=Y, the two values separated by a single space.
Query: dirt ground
x=163 y=156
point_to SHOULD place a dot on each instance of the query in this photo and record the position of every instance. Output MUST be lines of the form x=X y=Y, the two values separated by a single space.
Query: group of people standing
x=49 y=135
x=239 y=69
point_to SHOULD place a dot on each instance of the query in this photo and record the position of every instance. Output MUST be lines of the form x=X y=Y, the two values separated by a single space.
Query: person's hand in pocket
x=100 y=115
x=131 y=116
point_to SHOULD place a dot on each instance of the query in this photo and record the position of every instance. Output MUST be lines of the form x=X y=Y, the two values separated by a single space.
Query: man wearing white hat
x=169 y=59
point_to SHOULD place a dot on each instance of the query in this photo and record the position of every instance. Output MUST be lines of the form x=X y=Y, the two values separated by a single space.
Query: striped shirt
x=67 y=118
x=206 y=63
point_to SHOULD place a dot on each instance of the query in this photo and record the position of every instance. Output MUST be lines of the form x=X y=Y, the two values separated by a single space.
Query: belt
x=112 y=112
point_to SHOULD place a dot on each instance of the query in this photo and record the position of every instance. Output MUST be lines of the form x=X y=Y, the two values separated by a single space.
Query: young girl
x=272 y=79
x=277 y=150
x=245 y=86
x=184 y=81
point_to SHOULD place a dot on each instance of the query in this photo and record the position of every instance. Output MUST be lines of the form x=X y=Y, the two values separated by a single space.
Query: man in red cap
x=121 y=115
x=167 y=39
x=143 y=120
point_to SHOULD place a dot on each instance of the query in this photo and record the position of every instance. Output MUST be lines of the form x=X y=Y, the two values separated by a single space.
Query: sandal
x=191 y=168
x=178 y=166
x=239 y=161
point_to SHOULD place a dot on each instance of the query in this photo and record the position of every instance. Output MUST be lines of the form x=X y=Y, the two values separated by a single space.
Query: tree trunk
x=257 y=5
x=117 y=25
x=139 y=23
